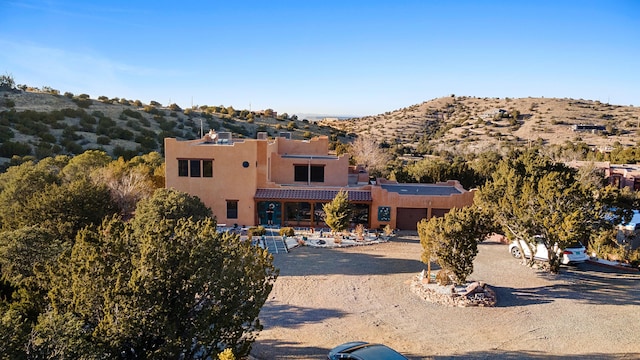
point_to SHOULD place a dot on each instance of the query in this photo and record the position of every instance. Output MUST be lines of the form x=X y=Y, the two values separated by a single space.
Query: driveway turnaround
x=326 y=297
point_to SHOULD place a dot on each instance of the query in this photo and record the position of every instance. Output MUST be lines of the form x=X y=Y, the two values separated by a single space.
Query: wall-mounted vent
x=262 y=135
x=285 y=134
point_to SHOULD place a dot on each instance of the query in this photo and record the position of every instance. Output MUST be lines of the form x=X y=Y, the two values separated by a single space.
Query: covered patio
x=303 y=207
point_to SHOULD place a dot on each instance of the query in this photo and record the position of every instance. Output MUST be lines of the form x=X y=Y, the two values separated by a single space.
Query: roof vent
x=224 y=138
x=285 y=134
x=262 y=135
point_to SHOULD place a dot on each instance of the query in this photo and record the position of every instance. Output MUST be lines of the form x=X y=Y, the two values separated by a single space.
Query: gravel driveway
x=325 y=297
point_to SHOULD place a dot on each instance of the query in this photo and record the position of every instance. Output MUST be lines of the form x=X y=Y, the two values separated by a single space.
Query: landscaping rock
x=473 y=294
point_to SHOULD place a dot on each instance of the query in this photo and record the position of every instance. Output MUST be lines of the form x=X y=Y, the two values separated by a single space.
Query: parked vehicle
x=576 y=253
x=361 y=350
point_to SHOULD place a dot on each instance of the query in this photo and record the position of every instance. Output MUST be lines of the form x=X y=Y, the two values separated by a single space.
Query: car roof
x=368 y=351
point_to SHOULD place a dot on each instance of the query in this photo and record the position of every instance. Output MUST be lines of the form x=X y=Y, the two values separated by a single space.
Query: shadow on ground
x=285 y=350
x=306 y=261
x=587 y=288
x=513 y=355
x=290 y=316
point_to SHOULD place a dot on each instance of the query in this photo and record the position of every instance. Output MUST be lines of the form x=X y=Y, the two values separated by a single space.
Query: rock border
x=475 y=293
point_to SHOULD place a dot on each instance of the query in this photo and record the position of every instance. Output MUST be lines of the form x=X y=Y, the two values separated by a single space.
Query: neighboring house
x=618 y=175
x=285 y=182
x=595 y=129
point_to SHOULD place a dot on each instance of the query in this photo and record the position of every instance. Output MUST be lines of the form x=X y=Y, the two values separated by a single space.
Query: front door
x=269 y=213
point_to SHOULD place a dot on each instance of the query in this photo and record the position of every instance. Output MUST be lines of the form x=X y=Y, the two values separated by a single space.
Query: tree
x=177 y=289
x=366 y=151
x=453 y=240
x=128 y=182
x=7 y=82
x=432 y=170
x=19 y=184
x=67 y=208
x=170 y=205
x=172 y=288
x=338 y=212
x=81 y=166
x=531 y=196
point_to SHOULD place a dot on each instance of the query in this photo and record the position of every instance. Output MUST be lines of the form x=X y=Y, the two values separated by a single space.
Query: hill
x=470 y=124
x=41 y=124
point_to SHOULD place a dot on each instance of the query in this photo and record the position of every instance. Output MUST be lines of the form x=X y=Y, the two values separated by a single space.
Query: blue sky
x=324 y=57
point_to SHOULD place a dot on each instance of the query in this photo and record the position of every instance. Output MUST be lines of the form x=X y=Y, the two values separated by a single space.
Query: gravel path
x=325 y=297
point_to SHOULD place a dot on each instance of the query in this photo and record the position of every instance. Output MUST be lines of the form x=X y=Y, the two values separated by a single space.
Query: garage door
x=408 y=218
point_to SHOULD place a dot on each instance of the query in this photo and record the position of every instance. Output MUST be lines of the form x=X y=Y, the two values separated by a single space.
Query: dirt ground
x=325 y=297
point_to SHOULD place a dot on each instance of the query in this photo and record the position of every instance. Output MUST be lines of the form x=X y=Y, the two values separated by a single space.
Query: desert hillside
x=41 y=124
x=463 y=124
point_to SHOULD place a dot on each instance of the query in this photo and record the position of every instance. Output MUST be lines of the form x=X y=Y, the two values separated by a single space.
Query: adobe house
x=285 y=182
x=618 y=175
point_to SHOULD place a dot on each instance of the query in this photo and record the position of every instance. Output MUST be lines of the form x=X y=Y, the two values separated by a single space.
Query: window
x=195 y=168
x=297 y=211
x=301 y=173
x=183 y=168
x=317 y=173
x=232 y=209
x=207 y=168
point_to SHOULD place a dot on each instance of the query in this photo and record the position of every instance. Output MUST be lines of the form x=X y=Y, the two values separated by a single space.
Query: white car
x=575 y=253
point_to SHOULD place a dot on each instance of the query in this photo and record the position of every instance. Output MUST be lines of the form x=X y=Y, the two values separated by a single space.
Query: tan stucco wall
x=335 y=170
x=230 y=181
x=382 y=197
x=315 y=146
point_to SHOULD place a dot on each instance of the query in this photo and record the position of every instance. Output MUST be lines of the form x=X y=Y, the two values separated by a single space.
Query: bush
x=9 y=103
x=5 y=133
x=10 y=148
x=132 y=114
x=82 y=102
x=227 y=354
x=47 y=137
x=256 y=231
x=287 y=231
x=443 y=277
x=103 y=140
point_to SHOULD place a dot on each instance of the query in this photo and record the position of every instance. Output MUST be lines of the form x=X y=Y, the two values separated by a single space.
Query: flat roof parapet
x=422 y=189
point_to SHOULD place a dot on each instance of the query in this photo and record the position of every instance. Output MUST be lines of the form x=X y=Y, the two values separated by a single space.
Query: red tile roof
x=309 y=194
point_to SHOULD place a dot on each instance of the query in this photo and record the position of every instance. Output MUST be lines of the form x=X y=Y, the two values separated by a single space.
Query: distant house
x=286 y=182
x=589 y=128
x=618 y=175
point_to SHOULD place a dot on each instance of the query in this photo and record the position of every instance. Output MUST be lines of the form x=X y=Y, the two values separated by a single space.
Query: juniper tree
x=338 y=212
x=452 y=240
x=532 y=197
